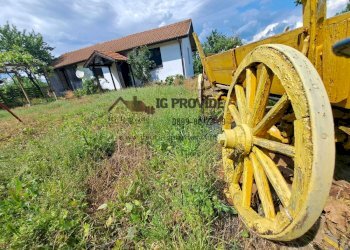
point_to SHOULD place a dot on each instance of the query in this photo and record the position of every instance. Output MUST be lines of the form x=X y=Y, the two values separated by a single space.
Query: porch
x=110 y=69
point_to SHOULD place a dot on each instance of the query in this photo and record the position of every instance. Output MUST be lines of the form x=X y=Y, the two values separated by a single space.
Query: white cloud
x=69 y=25
x=206 y=30
x=295 y=20
x=268 y=31
x=335 y=6
x=135 y=15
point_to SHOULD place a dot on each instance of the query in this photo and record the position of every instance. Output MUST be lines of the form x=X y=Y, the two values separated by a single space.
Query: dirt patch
x=191 y=84
x=334 y=230
x=116 y=172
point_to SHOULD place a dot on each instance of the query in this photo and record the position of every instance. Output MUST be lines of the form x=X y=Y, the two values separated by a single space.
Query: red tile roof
x=149 y=37
x=113 y=56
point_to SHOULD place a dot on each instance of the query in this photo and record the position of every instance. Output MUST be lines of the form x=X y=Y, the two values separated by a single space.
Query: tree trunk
x=19 y=79
x=33 y=80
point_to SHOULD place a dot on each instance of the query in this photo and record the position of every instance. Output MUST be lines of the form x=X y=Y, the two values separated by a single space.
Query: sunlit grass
x=165 y=199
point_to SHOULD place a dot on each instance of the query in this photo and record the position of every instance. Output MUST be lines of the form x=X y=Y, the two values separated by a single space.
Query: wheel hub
x=240 y=138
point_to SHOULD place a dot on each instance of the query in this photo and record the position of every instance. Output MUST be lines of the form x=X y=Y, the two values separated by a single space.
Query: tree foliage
x=23 y=52
x=30 y=42
x=347 y=8
x=141 y=63
x=215 y=43
x=18 y=59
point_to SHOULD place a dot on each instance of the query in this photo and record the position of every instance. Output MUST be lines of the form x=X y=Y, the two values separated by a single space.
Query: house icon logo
x=134 y=106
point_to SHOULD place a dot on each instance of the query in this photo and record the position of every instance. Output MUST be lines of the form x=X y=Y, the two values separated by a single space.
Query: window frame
x=160 y=57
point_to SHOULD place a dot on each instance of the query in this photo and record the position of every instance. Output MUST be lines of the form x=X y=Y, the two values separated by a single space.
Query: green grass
x=167 y=198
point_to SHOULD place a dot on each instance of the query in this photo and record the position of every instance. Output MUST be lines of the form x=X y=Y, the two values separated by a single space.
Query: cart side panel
x=224 y=64
x=336 y=70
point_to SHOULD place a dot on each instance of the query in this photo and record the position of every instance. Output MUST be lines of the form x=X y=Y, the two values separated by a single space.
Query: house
x=171 y=48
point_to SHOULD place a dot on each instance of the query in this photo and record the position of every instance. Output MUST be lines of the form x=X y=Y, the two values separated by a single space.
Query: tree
x=16 y=61
x=215 y=43
x=141 y=63
x=347 y=8
x=298 y=2
x=14 y=41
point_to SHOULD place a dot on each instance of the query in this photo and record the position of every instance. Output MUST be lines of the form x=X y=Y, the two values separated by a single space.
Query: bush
x=89 y=88
x=174 y=80
x=12 y=95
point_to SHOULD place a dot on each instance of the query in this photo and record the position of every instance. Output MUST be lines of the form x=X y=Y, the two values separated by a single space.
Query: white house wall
x=172 y=64
x=187 y=56
x=117 y=80
x=171 y=58
x=108 y=84
x=172 y=61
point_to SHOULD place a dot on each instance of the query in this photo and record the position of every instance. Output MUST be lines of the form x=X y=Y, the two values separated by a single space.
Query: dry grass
x=117 y=172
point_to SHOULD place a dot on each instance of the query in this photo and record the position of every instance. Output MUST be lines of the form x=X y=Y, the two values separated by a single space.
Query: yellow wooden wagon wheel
x=278 y=185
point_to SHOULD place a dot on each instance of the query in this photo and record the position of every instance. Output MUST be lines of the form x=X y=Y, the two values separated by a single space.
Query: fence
x=12 y=96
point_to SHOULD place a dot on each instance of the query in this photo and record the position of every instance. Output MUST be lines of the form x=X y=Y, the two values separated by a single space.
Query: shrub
x=174 y=80
x=141 y=63
x=89 y=86
x=12 y=95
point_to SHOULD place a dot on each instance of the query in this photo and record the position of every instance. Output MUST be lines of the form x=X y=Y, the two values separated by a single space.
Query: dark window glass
x=98 y=72
x=156 y=57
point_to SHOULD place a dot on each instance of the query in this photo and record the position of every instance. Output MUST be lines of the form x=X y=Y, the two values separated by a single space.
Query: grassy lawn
x=74 y=176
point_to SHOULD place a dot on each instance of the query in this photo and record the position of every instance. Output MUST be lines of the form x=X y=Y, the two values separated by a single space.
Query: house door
x=125 y=70
x=104 y=77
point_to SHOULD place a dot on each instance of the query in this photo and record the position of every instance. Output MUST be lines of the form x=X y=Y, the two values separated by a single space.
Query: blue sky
x=70 y=25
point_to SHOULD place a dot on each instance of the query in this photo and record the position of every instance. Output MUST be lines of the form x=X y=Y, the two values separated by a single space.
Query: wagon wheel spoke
x=235 y=114
x=274 y=146
x=247 y=183
x=275 y=177
x=251 y=88
x=241 y=103
x=262 y=95
x=237 y=173
x=273 y=116
x=263 y=188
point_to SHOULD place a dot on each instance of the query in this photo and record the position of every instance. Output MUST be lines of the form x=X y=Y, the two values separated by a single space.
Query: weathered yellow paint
x=237 y=173
x=273 y=116
x=247 y=183
x=274 y=66
x=241 y=103
x=274 y=146
x=263 y=188
x=336 y=69
x=251 y=84
x=262 y=95
x=276 y=179
x=312 y=149
x=235 y=114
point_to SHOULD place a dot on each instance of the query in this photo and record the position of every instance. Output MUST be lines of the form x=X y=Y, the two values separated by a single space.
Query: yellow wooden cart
x=285 y=97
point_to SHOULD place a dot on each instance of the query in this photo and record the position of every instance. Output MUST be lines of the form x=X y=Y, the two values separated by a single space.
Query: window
x=156 y=57
x=97 y=72
x=189 y=56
